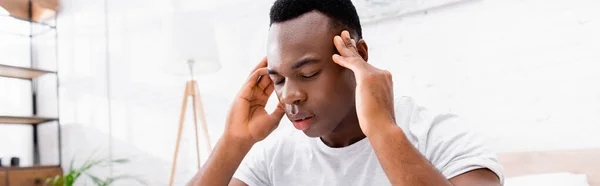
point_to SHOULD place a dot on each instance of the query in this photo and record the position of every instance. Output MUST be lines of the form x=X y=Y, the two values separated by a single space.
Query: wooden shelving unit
x=27 y=176
x=28 y=18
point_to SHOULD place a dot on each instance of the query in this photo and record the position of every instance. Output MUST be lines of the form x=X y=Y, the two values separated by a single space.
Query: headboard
x=584 y=161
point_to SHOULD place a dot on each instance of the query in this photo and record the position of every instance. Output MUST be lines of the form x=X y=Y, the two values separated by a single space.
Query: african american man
x=353 y=131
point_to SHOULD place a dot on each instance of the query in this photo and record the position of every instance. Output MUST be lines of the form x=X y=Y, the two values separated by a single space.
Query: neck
x=346 y=133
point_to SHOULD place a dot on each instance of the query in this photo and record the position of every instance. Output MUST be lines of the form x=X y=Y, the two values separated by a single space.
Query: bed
x=552 y=165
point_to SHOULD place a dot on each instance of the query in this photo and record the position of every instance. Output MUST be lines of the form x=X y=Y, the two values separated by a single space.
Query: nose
x=291 y=94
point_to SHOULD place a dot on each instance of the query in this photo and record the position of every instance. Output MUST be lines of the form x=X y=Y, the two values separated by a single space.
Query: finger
x=260 y=93
x=348 y=41
x=261 y=64
x=252 y=83
x=263 y=82
x=271 y=121
x=269 y=90
x=341 y=46
x=345 y=62
x=278 y=113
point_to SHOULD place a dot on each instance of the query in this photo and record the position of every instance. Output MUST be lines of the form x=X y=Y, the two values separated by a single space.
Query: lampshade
x=193 y=40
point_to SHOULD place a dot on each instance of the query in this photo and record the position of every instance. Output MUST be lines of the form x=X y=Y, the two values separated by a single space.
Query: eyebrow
x=297 y=64
x=304 y=62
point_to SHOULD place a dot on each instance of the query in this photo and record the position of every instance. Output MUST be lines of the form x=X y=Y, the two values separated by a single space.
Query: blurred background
x=524 y=73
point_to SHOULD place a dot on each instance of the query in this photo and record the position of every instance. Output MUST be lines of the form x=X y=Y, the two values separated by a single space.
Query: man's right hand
x=247 y=123
x=248 y=120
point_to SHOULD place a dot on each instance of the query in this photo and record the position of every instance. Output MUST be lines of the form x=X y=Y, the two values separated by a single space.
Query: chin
x=311 y=134
x=317 y=131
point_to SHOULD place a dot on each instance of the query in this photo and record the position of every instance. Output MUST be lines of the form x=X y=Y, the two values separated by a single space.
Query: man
x=357 y=133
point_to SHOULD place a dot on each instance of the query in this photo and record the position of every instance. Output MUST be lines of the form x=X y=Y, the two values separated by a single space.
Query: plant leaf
x=70 y=179
x=71 y=164
x=58 y=181
x=89 y=164
x=73 y=174
x=54 y=181
x=92 y=161
x=122 y=160
x=96 y=180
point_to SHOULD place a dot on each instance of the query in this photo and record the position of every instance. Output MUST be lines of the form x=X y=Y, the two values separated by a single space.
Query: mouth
x=303 y=123
x=302 y=118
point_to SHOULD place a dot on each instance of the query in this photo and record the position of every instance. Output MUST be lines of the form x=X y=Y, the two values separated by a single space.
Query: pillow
x=548 y=179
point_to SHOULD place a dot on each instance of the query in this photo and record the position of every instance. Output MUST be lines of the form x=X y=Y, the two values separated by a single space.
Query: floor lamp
x=194 y=43
x=191 y=91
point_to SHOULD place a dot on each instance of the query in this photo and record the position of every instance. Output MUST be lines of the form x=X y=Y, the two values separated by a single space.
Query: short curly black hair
x=342 y=12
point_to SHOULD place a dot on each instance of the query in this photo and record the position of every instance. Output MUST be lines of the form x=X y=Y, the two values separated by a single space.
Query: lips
x=303 y=124
x=298 y=117
x=301 y=120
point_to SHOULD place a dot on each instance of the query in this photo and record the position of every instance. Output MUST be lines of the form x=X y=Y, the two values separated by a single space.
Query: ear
x=363 y=49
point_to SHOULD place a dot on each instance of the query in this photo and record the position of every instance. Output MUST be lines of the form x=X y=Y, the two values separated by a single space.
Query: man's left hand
x=374 y=87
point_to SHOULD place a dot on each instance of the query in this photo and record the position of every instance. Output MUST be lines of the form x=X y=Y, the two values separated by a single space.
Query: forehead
x=308 y=35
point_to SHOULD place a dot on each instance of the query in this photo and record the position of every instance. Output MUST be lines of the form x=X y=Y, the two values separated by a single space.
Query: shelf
x=30 y=167
x=33 y=120
x=21 y=72
x=29 y=175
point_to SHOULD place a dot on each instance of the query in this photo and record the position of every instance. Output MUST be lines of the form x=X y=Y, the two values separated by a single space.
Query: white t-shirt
x=296 y=159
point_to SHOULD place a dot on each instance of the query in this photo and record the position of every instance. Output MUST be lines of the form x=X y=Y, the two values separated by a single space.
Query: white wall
x=522 y=72
x=83 y=83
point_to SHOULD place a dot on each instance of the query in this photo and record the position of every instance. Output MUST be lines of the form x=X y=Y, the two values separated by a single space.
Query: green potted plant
x=73 y=174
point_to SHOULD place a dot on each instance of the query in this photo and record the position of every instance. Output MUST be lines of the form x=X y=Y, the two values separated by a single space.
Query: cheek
x=345 y=89
x=335 y=91
x=348 y=79
x=345 y=83
x=278 y=93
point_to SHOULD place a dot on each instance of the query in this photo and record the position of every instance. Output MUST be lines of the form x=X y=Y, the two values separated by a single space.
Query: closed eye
x=276 y=78
x=311 y=75
x=279 y=81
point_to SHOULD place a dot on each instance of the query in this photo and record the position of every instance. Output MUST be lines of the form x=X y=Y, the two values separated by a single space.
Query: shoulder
x=420 y=123
x=415 y=120
x=426 y=128
x=449 y=143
